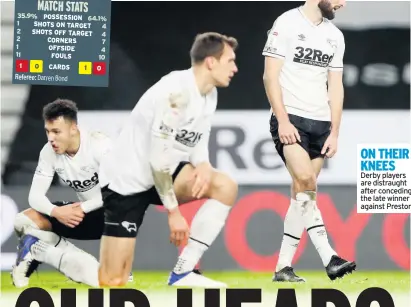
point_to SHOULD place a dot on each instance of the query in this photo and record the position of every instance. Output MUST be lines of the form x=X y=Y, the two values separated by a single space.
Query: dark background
x=150 y=39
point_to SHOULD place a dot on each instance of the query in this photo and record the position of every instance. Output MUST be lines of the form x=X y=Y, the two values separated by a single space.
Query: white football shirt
x=80 y=172
x=309 y=52
x=126 y=169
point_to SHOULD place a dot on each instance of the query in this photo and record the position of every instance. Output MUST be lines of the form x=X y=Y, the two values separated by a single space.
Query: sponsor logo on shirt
x=313 y=57
x=85 y=185
x=188 y=138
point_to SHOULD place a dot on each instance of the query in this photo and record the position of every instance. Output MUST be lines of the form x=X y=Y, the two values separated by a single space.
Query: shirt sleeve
x=277 y=41
x=201 y=153
x=171 y=105
x=102 y=145
x=92 y=204
x=42 y=179
x=336 y=63
x=169 y=115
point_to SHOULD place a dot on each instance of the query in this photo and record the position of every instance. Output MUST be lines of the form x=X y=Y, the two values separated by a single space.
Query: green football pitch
x=153 y=284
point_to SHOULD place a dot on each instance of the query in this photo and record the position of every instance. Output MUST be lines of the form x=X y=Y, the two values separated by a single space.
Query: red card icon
x=99 y=68
x=22 y=65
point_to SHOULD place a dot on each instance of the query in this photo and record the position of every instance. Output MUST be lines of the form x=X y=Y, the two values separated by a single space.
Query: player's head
x=329 y=7
x=60 y=122
x=216 y=53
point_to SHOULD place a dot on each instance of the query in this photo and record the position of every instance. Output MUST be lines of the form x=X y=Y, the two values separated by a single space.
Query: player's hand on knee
x=330 y=146
x=79 y=210
x=179 y=230
x=202 y=176
x=288 y=133
x=69 y=215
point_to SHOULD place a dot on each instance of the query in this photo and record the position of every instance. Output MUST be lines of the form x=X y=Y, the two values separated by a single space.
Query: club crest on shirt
x=333 y=43
x=165 y=129
x=87 y=168
x=59 y=170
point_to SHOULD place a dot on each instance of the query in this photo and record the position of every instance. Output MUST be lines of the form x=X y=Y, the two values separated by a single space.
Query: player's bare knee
x=224 y=189
x=111 y=282
x=305 y=181
x=120 y=280
x=107 y=280
x=38 y=219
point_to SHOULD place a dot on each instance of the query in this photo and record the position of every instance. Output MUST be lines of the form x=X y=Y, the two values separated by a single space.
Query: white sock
x=44 y=235
x=78 y=266
x=22 y=223
x=314 y=224
x=53 y=239
x=67 y=246
x=205 y=227
x=293 y=229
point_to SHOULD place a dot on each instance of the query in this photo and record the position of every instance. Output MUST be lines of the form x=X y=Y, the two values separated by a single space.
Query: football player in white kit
x=161 y=157
x=73 y=153
x=304 y=51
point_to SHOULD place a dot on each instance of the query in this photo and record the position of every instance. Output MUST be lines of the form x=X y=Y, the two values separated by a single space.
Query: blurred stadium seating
x=13 y=97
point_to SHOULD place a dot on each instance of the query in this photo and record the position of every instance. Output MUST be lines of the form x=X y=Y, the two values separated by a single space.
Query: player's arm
x=203 y=168
x=102 y=146
x=38 y=200
x=275 y=51
x=42 y=179
x=272 y=69
x=200 y=155
x=169 y=114
x=336 y=87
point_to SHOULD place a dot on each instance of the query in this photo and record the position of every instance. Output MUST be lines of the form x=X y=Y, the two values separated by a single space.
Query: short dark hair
x=60 y=107
x=210 y=44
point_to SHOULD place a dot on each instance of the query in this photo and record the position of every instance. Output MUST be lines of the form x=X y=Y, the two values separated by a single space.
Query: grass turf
x=153 y=284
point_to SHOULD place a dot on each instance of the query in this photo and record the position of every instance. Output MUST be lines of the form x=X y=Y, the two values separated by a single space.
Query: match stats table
x=64 y=43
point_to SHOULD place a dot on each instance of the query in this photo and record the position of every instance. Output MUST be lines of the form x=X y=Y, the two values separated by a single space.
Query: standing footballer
x=303 y=82
x=161 y=157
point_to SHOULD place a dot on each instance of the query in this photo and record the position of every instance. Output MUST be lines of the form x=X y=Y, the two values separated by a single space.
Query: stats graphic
x=62 y=43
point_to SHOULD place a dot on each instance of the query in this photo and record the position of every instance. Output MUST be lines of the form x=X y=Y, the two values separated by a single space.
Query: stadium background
x=150 y=39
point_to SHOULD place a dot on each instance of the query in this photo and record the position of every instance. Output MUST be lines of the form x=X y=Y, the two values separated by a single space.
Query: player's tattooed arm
x=166 y=123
